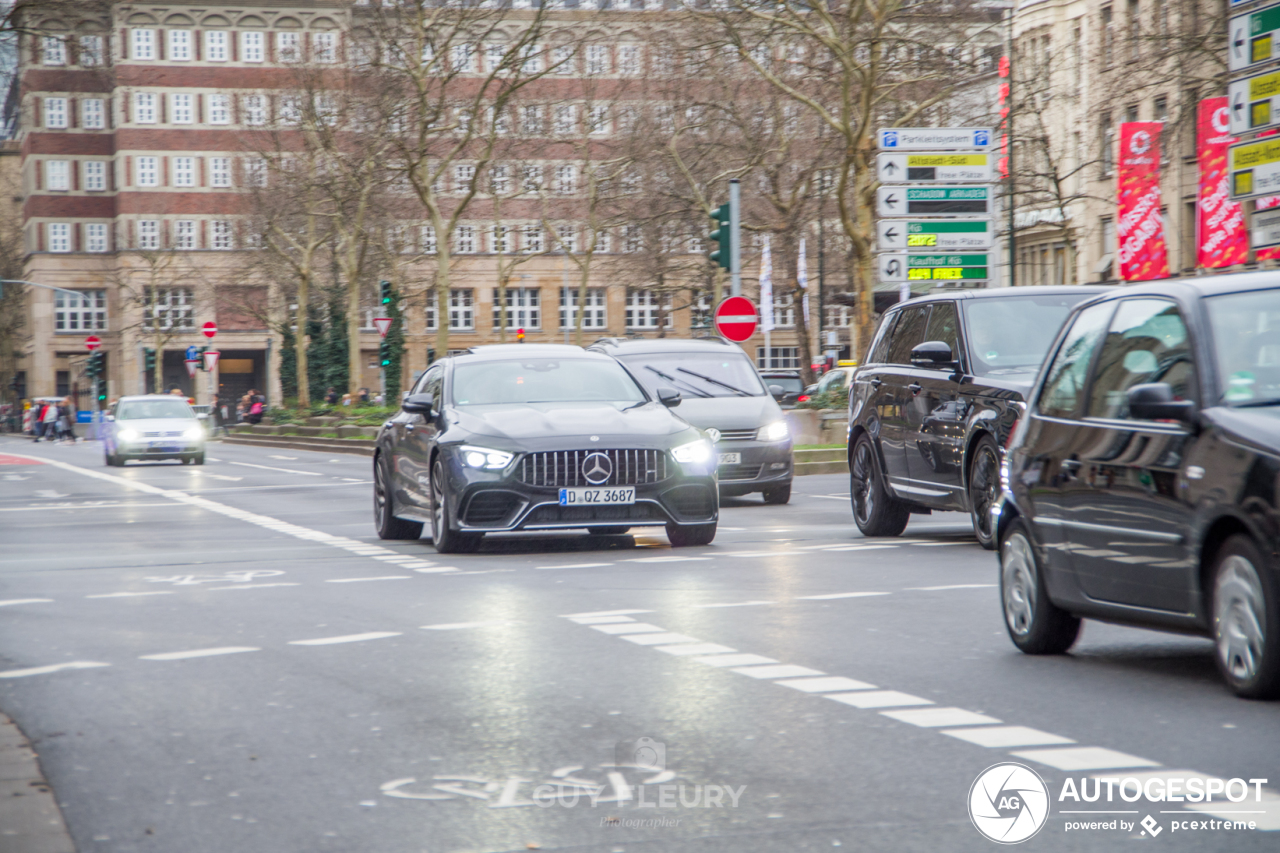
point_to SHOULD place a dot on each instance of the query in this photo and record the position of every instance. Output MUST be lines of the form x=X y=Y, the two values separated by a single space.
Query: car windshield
x=137 y=410
x=1011 y=334
x=697 y=374
x=790 y=384
x=543 y=380
x=1246 y=346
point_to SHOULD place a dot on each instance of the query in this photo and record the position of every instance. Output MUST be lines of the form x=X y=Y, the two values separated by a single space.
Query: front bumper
x=167 y=448
x=763 y=464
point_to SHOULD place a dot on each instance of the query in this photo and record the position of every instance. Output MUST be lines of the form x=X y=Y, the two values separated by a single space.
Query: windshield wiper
x=1275 y=401
x=737 y=391
x=688 y=385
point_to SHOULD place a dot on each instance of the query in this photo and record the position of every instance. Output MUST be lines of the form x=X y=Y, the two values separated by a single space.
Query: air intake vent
x=593 y=468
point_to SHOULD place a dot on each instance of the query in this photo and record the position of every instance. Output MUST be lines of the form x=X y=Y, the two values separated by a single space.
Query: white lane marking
x=200 y=653
x=835 y=595
x=285 y=458
x=671 y=559
x=1007 y=736
x=576 y=566
x=605 y=613
x=397 y=558
x=102 y=505
x=251 y=586
x=211 y=459
x=932 y=718
x=830 y=497
x=784 y=670
x=629 y=627
x=130 y=594
x=828 y=684
x=879 y=699
x=454 y=626
x=50 y=493
x=1084 y=758
x=273 y=468
x=349 y=638
x=26 y=601
x=941 y=544
x=735 y=660
x=45 y=670
x=362 y=580
x=220 y=476
x=695 y=649
x=435 y=571
x=843 y=548
x=601 y=620
x=658 y=639
x=736 y=604
x=950 y=586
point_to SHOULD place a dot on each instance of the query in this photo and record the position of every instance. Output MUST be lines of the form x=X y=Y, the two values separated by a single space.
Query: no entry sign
x=210 y=329
x=92 y=342
x=736 y=318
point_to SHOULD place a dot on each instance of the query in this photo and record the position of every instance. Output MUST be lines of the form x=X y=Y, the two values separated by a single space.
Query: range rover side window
x=433 y=384
x=1147 y=342
x=1064 y=383
x=880 y=351
x=908 y=334
x=943 y=326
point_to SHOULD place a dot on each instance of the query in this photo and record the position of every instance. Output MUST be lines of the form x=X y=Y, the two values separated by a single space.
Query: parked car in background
x=1142 y=485
x=725 y=397
x=835 y=381
x=786 y=381
x=942 y=386
x=153 y=426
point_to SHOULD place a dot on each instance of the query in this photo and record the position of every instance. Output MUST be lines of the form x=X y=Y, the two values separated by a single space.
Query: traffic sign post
x=931 y=234
x=192 y=365
x=383 y=325
x=926 y=138
x=933 y=166
x=1253 y=38
x=92 y=342
x=193 y=354
x=211 y=365
x=736 y=318
x=935 y=201
x=1254 y=103
x=1253 y=168
x=935 y=268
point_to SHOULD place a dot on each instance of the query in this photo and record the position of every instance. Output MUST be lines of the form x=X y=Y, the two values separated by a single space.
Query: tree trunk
x=442 y=295
x=301 y=341
x=353 y=333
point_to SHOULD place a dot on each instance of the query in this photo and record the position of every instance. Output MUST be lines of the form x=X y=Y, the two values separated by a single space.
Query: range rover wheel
x=875 y=513
x=984 y=488
x=1246 y=621
x=1036 y=625
x=447 y=541
x=387 y=525
x=684 y=535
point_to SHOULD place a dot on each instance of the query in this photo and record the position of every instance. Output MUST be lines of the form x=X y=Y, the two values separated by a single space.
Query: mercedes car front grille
x=567 y=468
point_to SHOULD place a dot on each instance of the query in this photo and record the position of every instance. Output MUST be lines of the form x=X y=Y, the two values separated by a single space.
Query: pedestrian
x=50 y=421
x=66 y=411
x=37 y=419
x=241 y=408
x=346 y=399
x=331 y=396
x=364 y=396
x=257 y=404
x=175 y=391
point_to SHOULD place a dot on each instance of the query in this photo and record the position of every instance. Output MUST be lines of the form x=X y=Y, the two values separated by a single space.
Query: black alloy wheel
x=1036 y=625
x=447 y=541
x=388 y=526
x=875 y=513
x=984 y=488
x=1246 y=620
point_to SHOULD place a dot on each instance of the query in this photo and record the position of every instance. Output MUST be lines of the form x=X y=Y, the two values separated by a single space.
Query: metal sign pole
x=735 y=239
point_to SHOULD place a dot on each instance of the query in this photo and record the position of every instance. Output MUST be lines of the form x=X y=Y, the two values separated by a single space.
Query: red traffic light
x=520 y=335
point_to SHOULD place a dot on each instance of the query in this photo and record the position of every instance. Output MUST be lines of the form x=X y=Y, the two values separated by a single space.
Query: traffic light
x=384 y=353
x=149 y=358
x=94 y=367
x=384 y=292
x=200 y=358
x=519 y=336
x=720 y=252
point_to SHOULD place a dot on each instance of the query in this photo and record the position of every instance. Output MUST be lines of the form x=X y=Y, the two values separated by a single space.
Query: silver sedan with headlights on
x=153 y=426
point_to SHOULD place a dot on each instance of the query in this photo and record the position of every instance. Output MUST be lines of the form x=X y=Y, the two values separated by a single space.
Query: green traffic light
x=719 y=238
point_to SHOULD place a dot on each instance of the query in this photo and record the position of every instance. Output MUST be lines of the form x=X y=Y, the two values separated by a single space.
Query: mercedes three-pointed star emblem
x=597 y=468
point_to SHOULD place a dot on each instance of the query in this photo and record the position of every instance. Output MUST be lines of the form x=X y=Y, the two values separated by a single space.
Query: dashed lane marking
x=285 y=458
x=784 y=670
x=1085 y=758
x=200 y=653
x=932 y=718
x=602 y=620
x=363 y=580
x=457 y=626
x=433 y=571
x=879 y=699
x=576 y=566
x=735 y=604
x=1007 y=736
x=26 y=601
x=950 y=586
x=45 y=670
x=834 y=595
x=695 y=649
x=827 y=684
x=606 y=613
x=251 y=586
x=131 y=594
x=735 y=660
x=629 y=627
x=349 y=638
x=273 y=468
x=220 y=476
x=670 y=559
x=658 y=639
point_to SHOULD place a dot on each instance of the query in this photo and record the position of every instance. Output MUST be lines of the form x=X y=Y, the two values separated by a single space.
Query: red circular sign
x=210 y=329
x=736 y=318
x=92 y=342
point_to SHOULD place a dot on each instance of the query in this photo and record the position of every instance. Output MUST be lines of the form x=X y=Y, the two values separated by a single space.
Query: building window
x=290 y=109
x=531 y=120
x=55 y=113
x=148 y=234
x=95 y=237
x=252 y=47
x=91 y=51
x=462 y=178
x=598 y=120
x=184 y=234
x=93 y=114
x=85 y=312
x=632 y=239
x=777 y=358
x=531 y=54
x=593 y=308
x=1108 y=37
x=255 y=110
x=219 y=109
x=59 y=237
x=219 y=171
x=1107 y=134
x=288 y=47
x=184 y=171
x=597 y=59
x=54 y=50
x=168 y=309
x=462 y=315
x=182 y=109
x=324 y=47
x=530 y=179
x=215 y=46
x=464 y=240
x=221 y=235
x=57 y=175
x=95 y=175
x=523 y=311
x=629 y=60
x=837 y=316
x=179 y=46
x=644 y=309
x=562 y=59
x=500 y=180
x=784 y=310
x=566 y=179
x=604 y=243
x=144 y=108
x=462 y=58
x=255 y=172
x=147 y=171
x=499 y=239
x=142 y=44
x=493 y=54
x=428 y=235
x=567 y=238
x=531 y=239
x=565 y=119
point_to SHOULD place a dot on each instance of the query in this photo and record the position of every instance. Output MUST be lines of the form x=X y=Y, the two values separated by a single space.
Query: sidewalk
x=30 y=821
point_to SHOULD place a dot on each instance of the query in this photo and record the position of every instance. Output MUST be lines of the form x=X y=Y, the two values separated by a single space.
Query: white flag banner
x=766 y=288
x=802 y=278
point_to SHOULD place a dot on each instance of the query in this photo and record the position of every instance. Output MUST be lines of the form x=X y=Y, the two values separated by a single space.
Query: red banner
x=1141 y=228
x=1221 y=238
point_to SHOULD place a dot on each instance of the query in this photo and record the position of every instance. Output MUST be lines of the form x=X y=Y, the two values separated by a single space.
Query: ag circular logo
x=1008 y=803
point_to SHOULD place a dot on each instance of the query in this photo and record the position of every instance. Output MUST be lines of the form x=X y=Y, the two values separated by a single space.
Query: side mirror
x=202 y=416
x=669 y=397
x=777 y=391
x=934 y=354
x=1155 y=402
x=419 y=404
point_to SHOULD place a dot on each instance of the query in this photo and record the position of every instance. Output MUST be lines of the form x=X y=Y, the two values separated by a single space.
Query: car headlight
x=484 y=457
x=127 y=434
x=775 y=431
x=692 y=453
x=193 y=433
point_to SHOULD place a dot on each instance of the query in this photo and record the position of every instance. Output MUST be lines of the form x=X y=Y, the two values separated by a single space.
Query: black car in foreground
x=942 y=386
x=1141 y=486
x=540 y=437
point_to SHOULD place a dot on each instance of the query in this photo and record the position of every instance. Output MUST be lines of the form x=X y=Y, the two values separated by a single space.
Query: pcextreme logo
x=1009 y=803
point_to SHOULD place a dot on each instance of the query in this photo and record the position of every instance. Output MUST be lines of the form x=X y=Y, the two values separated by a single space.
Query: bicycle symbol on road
x=237 y=576
x=563 y=786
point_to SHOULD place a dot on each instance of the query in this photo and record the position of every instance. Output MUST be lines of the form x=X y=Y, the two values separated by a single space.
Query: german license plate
x=597 y=497
x=730 y=458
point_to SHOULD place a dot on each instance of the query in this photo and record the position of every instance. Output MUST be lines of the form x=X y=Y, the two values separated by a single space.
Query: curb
x=30 y=820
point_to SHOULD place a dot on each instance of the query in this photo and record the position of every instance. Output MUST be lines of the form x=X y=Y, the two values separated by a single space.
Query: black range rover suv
x=932 y=406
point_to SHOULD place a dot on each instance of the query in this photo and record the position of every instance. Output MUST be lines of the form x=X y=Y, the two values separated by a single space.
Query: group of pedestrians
x=51 y=421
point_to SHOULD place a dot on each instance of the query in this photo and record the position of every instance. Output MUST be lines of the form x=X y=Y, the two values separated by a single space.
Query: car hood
x=158 y=424
x=1258 y=428
x=560 y=420
x=726 y=413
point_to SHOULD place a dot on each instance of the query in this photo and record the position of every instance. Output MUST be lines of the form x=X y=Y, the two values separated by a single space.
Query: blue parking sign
x=192 y=354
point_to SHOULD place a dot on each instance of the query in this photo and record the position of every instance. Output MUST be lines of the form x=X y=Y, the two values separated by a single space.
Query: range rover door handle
x=915 y=387
x=876 y=383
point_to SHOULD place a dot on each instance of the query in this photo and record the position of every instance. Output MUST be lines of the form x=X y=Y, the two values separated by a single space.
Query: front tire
x=447 y=541
x=112 y=460
x=387 y=525
x=685 y=535
x=778 y=494
x=198 y=459
x=875 y=513
x=1246 y=621
x=984 y=488
x=1036 y=625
